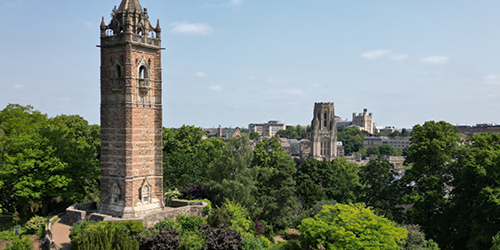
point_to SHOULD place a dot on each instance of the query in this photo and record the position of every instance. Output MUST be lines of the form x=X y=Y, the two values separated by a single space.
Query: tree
x=426 y=183
x=351 y=226
x=187 y=158
x=373 y=150
x=405 y=133
x=337 y=178
x=231 y=176
x=352 y=138
x=254 y=135
x=387 y=149
x=379 y=190
x=276 y=188
x=476 y=192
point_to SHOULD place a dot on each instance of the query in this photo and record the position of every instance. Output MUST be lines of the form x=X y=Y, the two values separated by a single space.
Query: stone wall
x=179 y=207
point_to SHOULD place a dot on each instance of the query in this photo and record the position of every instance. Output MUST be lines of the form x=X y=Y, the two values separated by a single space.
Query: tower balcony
x=122 y=38
x=143 y=85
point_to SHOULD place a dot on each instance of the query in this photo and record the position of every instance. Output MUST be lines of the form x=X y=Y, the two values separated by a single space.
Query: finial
x=158 y=25
x=103 y=24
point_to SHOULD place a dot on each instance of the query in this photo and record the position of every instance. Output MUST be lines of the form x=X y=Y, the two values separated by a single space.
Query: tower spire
x=130 y=5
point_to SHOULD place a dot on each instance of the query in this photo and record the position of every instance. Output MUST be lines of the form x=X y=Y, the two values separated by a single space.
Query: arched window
x=139 y=32
x=152 y=34
x=118 y=71
x=146 y=192
x=109 y=32
x=142 y=73
x=115 y=193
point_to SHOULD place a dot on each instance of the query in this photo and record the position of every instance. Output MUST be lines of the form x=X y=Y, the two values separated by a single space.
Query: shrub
x=190 y=222
x=35 y=224
x=292 y=234
x=250 y=242
x=171 y=194
x=20 y=244
x=350 y=227
x=192 y=241
x=221 y=238
x=169 y=222
x=166 y=239
x=104 y=235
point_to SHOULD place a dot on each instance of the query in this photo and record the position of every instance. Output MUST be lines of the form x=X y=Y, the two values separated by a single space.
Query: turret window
x=139 y=32
x=142 y=72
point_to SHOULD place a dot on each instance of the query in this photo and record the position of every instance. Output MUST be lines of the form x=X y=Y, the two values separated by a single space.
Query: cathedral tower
x=324 y=131
x=131 y=113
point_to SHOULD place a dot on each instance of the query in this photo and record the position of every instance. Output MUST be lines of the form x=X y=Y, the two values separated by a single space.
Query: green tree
x=276 y=188
x=387 y=149
x=373 y=150
x=405 y=133
x=379 y=190
x=231 y=176
x=476 y=192
x=338 y=178
x=187 y=158
x=254 y=135
x=352 y=139
x=350 y=227
x=426 y=183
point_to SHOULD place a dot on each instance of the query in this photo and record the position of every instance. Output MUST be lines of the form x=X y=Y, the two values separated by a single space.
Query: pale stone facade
x=324 y=132
x=131 y=114
x=268 y=129
x=363 y=120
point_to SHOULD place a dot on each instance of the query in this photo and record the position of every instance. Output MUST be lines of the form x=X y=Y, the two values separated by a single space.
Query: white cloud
x=435 y=60
x=216 y=88
x=375 y=54
x=201 y=74
x=492 y=79
x=185 y=28
x=317 y=85
x=235 y=2
x=399 y=57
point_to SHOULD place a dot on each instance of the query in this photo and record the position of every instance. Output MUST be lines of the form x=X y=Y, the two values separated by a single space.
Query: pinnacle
x=130 y=5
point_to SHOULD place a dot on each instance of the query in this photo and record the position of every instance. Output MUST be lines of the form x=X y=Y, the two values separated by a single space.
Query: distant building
x=224 y=133
x=324 y=131
x=396 y=142
x=388 y=129
x=364 y=121
x=268 y=129
x=479 y=128
x=396 y=161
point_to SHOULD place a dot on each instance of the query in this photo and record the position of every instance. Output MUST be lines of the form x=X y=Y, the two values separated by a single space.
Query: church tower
x=324 y=132
x=131 y=113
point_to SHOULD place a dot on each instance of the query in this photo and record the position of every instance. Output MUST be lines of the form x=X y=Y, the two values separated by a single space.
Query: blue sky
x=235 y=62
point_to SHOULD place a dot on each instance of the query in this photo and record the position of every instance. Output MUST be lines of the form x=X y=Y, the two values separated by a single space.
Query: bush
x=166 y=239
x=20 y=244
x=221 y=238
x=192 y=241
x=190 y=222
x=250 y=242
x=35 y=224
x=169 y=222
x=104 y=235
x=292 y=234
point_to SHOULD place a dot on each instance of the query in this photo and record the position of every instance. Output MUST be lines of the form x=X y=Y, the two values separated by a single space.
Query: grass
x=8 y=224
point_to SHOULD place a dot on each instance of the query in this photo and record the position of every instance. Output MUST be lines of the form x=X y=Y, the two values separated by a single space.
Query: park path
x=60 y=234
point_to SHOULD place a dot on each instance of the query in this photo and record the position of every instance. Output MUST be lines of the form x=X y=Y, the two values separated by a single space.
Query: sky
x=235 y=62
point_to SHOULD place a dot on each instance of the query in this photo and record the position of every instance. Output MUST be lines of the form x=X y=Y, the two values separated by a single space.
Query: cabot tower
x=131 y=113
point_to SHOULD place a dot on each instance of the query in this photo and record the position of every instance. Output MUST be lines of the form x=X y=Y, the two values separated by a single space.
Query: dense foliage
x=350 y=227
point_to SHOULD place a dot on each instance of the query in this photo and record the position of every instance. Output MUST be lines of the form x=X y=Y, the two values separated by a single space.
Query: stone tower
x=324 y=131
x=363 y=120
x=131 y=113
